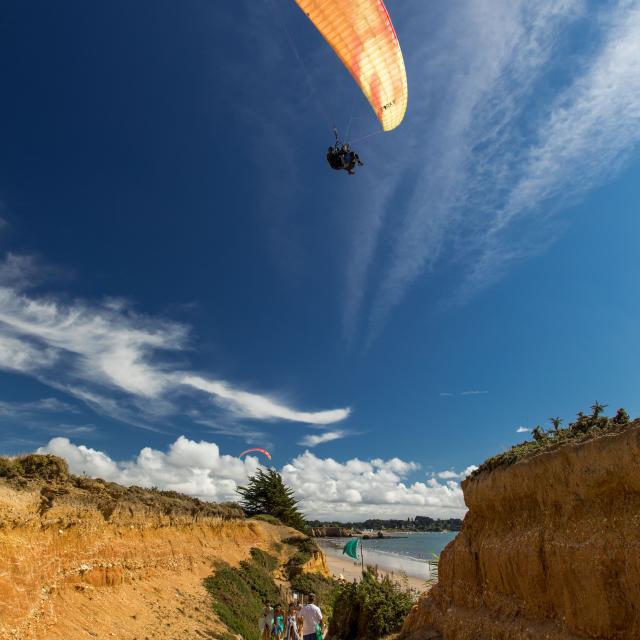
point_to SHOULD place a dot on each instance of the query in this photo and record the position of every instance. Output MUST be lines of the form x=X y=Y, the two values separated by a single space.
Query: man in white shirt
x=311 y=616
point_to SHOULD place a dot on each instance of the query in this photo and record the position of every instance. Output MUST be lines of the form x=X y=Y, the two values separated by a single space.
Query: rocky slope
x=77 y=562
x=550 y=548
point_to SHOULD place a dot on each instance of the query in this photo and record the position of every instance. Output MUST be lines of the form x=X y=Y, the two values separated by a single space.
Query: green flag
x=351 y=548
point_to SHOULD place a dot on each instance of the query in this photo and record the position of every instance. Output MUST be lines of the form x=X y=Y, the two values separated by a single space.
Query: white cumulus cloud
x=328 y=489
x=449 y=474
x=359 y=489
x=194 y=468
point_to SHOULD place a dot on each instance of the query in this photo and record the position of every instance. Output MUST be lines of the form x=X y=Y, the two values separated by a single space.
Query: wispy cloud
x=313 y=440
x=494 y=143
x=522 y=430
x=73 y=430
x=471 y=392
x=251 y=405
x=45 y=405
x=591 y=130
x=118 y=362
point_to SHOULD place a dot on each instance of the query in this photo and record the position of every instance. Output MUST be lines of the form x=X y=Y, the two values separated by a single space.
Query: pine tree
x=266 y=493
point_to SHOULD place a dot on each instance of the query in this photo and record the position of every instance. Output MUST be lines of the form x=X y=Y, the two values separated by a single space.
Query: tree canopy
x=266 y=493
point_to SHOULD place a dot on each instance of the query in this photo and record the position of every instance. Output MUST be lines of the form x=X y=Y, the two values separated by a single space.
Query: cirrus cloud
x=120 y=363
x=313 y=440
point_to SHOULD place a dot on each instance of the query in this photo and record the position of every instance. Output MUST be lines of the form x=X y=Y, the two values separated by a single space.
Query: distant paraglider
x=258 y=450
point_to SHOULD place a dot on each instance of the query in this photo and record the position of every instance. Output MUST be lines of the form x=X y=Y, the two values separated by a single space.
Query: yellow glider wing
x=362 y=36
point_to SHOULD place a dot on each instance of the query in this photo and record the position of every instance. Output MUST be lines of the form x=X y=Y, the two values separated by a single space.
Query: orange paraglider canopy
x=263 y=451
x=363 y=37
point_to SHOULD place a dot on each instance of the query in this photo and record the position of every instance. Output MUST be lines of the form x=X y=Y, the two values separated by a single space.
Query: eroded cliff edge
x=550 y=548
x=81 y=558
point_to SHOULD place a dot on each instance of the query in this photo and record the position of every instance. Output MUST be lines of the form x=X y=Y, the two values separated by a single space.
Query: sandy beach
x=350 y=569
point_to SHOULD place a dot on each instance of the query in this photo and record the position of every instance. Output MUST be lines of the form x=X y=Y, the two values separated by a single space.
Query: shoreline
x=395 y=567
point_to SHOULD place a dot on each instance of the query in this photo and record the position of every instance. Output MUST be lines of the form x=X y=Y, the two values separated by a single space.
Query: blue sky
x=182 y=276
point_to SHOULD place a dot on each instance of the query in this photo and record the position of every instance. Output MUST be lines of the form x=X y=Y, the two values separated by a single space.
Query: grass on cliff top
x=265 y=517
x=585 y=427
x=23 y=471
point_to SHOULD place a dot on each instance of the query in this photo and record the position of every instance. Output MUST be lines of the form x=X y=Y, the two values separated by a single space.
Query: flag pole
x=362 y=556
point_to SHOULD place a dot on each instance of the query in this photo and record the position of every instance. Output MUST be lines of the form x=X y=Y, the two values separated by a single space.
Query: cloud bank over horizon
x=327 y=489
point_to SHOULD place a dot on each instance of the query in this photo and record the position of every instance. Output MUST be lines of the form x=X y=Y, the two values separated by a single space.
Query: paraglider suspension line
x=308 y=76
x=370 y=135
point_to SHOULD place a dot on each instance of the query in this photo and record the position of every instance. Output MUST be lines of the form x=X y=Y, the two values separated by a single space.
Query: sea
x=402 y=554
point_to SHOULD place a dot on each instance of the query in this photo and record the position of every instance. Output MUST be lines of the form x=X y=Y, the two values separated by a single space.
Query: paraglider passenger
x=349 y=159
x=343 y=158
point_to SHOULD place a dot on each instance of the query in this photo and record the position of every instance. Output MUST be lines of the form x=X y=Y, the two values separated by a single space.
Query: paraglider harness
x=340 y=156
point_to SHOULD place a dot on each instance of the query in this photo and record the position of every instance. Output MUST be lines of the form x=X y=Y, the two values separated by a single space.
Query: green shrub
x=43 y=467
x=369 y=610
x=305 y=550
x=239 y=594
x=8 y=468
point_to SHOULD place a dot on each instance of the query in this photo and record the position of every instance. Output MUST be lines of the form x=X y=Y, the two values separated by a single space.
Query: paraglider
x=340 y=156
x=362 y=35
x=258 y=450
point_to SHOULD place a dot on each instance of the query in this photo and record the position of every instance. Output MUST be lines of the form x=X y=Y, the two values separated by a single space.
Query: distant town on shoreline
x=419 y=523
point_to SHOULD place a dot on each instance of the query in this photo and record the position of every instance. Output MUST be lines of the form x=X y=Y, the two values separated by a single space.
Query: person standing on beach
x=312 y=618
x=265 y=622
x=277 y=631
x=291 y=630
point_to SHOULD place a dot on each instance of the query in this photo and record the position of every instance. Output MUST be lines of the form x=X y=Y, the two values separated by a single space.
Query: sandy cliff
x=73 y=566
x=550 y=548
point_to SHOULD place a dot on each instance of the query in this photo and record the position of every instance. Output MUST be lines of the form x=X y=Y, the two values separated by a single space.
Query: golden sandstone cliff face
x=71 y=568
x=550 y=548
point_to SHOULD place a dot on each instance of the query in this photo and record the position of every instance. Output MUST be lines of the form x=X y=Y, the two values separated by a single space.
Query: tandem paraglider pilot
x=342 y=157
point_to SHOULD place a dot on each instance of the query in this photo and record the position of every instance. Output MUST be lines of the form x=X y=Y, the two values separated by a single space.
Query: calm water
x=421 y=546
x=396 y=554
